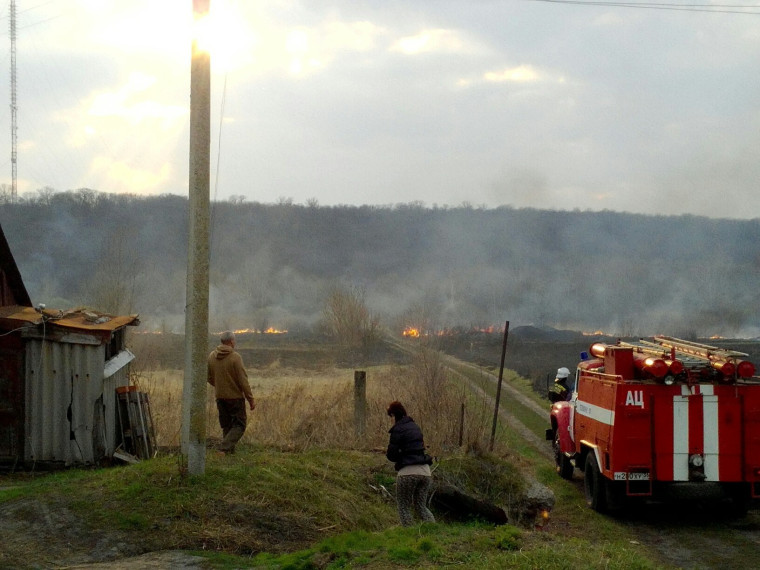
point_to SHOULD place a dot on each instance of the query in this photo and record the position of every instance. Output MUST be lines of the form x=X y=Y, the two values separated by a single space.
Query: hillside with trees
x=275 y=265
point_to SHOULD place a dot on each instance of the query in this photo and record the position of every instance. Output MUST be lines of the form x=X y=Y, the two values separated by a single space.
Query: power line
x=717 y=8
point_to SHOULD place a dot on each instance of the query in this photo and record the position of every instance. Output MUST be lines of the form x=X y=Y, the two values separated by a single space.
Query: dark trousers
x=232 y=418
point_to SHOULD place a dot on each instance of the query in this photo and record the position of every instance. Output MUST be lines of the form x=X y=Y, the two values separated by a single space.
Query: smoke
x=275 y=265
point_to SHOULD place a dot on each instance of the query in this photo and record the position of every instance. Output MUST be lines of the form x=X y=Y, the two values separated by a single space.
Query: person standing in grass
x=227 y=375
x=407 y=450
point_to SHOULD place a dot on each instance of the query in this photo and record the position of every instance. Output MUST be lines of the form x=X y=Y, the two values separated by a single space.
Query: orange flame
x=411 y=332
x=270 y=330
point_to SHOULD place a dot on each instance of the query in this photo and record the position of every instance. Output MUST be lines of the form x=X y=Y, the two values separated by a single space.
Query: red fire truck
x=659 y=419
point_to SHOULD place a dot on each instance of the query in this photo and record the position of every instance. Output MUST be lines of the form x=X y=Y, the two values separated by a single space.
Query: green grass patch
x=473 y=545
x=263 y=508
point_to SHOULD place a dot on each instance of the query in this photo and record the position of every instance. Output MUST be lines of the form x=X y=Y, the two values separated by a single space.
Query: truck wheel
x=615 y=496
x=739 y=500
x=594 y=485
x=564 y=466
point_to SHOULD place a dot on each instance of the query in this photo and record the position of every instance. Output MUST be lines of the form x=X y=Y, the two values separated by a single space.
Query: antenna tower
x=14 y=107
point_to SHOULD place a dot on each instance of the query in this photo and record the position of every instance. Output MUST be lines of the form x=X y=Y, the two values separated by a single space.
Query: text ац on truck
x=652 y=420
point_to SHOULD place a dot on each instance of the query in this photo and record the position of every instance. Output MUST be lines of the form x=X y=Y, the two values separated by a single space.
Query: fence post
x=498 y=388
x=360 y=401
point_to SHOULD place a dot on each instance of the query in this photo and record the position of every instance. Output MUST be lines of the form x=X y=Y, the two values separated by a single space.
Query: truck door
x=700 y=420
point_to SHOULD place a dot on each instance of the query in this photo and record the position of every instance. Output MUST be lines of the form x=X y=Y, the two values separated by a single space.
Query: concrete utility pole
x=196 y=309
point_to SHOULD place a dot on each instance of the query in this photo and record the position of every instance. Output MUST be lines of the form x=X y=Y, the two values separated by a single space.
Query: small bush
x=507 y=538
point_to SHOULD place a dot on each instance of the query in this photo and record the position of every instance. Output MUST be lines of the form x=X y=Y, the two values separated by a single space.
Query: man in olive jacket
x=227 y=375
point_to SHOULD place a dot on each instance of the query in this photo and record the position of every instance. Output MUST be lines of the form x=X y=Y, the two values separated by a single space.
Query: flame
x=270 y=330
x=595 y=333
x=542 y=519
x=414 y=332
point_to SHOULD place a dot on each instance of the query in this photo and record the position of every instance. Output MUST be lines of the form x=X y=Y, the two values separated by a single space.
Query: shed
x=59 y=374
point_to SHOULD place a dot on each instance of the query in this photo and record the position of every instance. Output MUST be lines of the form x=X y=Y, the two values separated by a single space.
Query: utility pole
x=14 y=106
x=196 y=308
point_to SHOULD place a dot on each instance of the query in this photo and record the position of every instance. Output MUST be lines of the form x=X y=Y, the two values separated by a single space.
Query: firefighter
x=560 y=390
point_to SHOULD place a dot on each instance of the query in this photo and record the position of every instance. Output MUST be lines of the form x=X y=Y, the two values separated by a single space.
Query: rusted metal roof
x=79 y=319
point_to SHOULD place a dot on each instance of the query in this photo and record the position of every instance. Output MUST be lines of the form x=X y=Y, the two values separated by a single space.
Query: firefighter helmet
x=562 y=374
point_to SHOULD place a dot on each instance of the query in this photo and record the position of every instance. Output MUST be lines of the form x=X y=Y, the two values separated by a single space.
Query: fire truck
x=659 y=419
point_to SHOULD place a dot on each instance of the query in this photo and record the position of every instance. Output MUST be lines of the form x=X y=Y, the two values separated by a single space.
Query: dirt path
x=689 y=536
x=538 y=443
x=174 y=559
x=525 y=401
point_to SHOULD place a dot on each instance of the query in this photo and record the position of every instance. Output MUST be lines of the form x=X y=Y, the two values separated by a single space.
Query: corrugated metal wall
x=70 y=407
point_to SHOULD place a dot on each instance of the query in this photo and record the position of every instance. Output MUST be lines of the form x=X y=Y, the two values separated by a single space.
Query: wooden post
x=498 y=388
x=360 y=401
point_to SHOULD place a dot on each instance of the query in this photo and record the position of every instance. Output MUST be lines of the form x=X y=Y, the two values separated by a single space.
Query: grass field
x=305 y=491
x=303 y=408
x=264 y=508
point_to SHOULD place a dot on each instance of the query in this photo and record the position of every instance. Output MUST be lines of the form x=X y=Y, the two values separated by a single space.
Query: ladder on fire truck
x=695 y=359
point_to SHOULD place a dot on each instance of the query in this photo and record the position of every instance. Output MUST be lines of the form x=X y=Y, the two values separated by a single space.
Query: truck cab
x=658 y=419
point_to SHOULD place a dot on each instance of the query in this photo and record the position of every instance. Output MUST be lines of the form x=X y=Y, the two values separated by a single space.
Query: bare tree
x=6 y=194
x=347 y=318
x=113 y=286
x=45 y=195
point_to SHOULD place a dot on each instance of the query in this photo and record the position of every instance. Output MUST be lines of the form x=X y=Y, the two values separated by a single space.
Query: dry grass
x=300 y=409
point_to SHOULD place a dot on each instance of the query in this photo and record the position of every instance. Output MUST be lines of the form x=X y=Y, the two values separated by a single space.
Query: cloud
x=431 y=41
x=379 y=102
x=129 y=103
x=125 y=177
x=305 y=50
x=129 y=107
x=520 y=74
x=124 y=139
x=359 y=36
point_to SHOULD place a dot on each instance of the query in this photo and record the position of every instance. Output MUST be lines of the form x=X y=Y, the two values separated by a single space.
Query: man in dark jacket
x=407 y=450
x=227 y=375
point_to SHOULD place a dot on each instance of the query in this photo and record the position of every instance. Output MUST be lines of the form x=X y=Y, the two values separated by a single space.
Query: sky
x=551 y=105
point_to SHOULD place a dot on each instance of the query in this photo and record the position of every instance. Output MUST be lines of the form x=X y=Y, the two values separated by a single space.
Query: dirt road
x=691 y=536
x=174 y=559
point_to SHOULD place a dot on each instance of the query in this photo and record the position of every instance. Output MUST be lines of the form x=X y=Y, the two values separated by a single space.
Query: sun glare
x=223 y=34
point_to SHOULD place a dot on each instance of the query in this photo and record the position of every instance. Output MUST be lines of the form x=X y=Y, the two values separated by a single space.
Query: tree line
x=279 y=264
